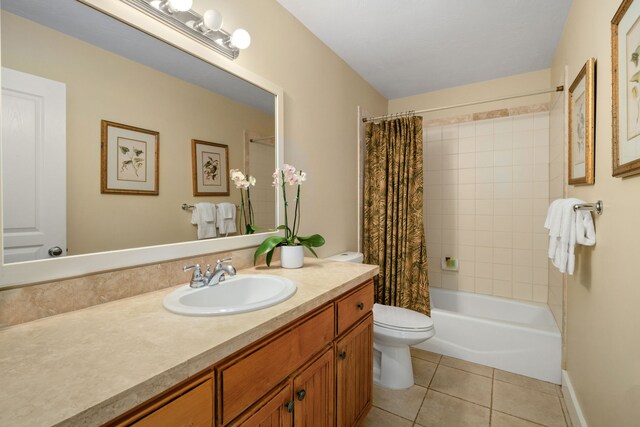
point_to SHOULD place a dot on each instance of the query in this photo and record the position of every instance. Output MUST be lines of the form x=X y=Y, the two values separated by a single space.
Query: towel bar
x=187 y=207
x=597 y=207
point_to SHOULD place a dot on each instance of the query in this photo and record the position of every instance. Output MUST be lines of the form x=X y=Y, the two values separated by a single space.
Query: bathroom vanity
x=306 y=361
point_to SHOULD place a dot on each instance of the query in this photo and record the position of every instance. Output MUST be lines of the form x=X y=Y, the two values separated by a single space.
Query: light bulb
x=240 y=39
x=212 y=20
x=179 y=5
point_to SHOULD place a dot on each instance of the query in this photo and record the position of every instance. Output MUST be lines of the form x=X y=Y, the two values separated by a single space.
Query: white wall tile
x=484 y=207
x=523 y=122
x=484 y=127
x=467 y=160
x=503 y=174
x=503 y=125
x=433 y=133
x=450 y=132
x=486 y=197
x=484 y=159
x=467 y=145
x=484 y=143
x=467 y=130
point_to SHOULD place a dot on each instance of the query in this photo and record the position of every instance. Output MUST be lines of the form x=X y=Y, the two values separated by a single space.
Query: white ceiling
x=408 y=47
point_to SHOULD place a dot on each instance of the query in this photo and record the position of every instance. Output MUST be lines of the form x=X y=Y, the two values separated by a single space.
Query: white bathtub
x=510 y=335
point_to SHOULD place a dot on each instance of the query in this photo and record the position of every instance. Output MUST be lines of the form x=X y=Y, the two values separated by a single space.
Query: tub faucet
x=218 y=274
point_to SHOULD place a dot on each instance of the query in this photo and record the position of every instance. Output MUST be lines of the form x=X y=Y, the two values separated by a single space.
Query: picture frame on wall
x=210 y=162
x=625 y=61
x=582 y=125
x=129 y=160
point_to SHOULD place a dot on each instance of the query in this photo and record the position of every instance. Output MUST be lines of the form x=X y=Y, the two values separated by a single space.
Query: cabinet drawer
x=354 y=306
x=192 y=409
x=244 y=379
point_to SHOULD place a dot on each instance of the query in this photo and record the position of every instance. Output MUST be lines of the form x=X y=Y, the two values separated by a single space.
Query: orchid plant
x=243 y=182
x=281 y=177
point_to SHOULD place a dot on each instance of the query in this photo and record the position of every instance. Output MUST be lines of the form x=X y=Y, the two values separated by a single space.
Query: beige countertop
x=88 y=366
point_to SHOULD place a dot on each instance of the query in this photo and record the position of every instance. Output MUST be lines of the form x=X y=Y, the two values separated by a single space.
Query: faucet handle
x=197 y=280
x=220 y=261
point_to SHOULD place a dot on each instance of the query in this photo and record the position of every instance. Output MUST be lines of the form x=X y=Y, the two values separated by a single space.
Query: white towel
x=566 y=228
x=204 y=216
x=226 y=218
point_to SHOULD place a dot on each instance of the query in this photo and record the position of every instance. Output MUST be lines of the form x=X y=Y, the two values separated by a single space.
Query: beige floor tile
x=440 y=410
x=423 y=371
x=498 y=419
x=425 y=355
x=379 y=418
x=527 y=382
x=465 y=385
x=405 y=403
x=474 y=368
x=529 y=404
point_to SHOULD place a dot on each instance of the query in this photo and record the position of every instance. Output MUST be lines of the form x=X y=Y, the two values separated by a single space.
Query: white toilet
x=394 y=330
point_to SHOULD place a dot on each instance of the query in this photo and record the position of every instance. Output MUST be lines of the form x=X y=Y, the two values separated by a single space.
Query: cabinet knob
x=289 y=406
x=301 y=394
x=343 y=355
x=360 y=305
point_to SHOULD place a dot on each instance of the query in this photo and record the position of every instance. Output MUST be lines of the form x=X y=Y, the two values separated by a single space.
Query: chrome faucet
x=210 y=278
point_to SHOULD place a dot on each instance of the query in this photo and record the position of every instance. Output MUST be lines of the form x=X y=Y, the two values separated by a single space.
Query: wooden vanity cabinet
x=316 y=371
x=188 y=404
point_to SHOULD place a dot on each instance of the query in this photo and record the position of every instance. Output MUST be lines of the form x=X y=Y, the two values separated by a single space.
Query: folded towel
x=553 y=223
x=585 y=231
x=226 y=218
x=204 y=216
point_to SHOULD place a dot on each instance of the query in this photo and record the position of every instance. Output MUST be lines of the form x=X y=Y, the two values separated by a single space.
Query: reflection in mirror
x=68 y=68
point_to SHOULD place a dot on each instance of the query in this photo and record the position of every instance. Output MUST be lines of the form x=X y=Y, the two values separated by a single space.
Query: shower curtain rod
x=467 y=104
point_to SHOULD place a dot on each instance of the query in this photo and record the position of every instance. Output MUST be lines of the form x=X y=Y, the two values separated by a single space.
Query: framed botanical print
x=210 y=163
x=582 y=125
x=129 y=159
x=625 y=61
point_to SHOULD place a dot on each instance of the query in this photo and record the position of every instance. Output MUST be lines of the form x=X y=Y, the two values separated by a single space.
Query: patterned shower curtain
x=393 y=228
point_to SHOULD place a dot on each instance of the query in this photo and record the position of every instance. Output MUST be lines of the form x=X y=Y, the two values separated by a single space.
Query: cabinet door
x=313 y=393
x=354 y=366
x=276 y=410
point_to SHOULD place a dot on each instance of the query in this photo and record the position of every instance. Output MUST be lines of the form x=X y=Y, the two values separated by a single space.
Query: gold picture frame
x=210 y=162
x=582 y=125
x=130 y=159
x=625 y=67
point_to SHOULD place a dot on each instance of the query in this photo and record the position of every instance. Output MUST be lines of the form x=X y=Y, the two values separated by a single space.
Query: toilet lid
x=400 y=318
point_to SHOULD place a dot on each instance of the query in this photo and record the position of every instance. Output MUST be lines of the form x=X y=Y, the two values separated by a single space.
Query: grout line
x=389 y=412
x=527 y=388
x=491 y=402
x=520 y=418
x=460 y=398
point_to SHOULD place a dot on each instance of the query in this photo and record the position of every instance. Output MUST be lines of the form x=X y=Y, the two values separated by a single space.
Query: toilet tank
x=356 y=257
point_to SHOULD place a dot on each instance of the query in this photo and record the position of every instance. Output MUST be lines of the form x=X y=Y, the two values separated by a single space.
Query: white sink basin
x=238 y=294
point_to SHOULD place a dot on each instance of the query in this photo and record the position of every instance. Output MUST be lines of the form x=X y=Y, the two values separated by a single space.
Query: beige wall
x=320 y=124
x=603 y=342
x=506 y=86
x=143 y=98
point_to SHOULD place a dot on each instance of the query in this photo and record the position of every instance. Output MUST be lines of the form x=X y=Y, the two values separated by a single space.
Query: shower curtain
x=393 y=228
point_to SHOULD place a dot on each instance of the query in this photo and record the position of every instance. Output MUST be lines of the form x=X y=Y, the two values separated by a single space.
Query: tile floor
x=450 y=392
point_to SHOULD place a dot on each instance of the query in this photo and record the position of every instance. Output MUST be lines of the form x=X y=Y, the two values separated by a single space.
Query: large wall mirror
x=88 y=98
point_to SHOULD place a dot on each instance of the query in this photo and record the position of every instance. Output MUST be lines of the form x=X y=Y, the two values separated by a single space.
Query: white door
x=33 y=167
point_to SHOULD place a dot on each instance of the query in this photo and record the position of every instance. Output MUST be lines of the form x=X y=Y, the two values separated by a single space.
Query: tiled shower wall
x=486 y=196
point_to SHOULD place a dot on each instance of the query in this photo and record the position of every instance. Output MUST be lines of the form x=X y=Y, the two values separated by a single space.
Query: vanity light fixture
x=206 y=29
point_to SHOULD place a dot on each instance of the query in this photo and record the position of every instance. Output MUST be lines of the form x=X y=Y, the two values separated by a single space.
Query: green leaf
x=268 y=245
x=269 y=256
x=308 y=246
x=124 y=149
x=138 y=152
x=314 y=240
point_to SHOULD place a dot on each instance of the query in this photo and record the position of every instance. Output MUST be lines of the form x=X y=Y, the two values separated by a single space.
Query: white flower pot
x=291 y=256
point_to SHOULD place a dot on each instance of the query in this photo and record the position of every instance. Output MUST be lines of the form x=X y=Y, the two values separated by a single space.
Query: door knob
x=289 y=406
x=343 y=355
x=301 y=394
x=55 y=251
x=360 y=305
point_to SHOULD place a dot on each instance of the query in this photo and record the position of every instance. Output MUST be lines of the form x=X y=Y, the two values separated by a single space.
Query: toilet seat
x=400 y=319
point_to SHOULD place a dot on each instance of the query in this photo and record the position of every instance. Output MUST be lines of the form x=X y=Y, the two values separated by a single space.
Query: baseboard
x=570 y=399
